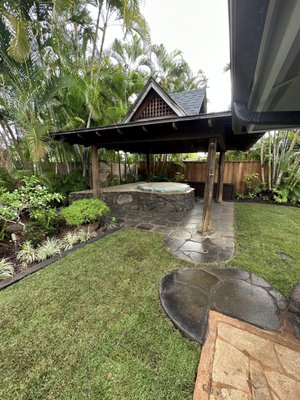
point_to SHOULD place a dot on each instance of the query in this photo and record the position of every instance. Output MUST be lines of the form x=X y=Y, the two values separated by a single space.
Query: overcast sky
x=199 y=28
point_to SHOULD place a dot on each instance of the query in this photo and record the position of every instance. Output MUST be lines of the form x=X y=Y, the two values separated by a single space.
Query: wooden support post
x=148 y=167
x=120 y=171
x=221 y=177
x=209 y=185
x=95 y=173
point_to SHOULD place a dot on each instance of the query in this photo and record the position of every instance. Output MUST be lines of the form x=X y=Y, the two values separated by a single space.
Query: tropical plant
x=27 y=254
x=252 y=182
x=31 y=197
x=172 y=72
x=280 y=153
x=84 y=211
x=70 y=239
x=48 y=248
x=6 y=269
x=85 y=235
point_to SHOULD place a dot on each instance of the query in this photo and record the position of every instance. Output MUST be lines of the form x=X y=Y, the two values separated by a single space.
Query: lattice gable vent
x=156 y=107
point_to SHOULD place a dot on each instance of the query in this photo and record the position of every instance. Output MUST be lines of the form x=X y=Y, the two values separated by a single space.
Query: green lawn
x=262 y=233
x=91 y=327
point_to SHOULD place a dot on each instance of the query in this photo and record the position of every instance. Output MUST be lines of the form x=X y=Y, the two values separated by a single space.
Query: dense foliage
x=84 y=211
x=58 y=72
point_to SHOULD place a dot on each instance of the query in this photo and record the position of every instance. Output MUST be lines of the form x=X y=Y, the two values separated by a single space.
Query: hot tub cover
x=164 y=187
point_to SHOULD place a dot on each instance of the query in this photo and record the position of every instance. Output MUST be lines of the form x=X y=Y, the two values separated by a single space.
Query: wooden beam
x=148 y=166
x=220 y=177
x=209 y=185
x=95 y=173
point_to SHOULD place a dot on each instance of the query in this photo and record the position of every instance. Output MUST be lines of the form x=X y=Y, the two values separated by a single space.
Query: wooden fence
x=234 y=172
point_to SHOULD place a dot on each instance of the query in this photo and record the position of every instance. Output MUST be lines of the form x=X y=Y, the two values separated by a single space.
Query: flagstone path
x=181 y=231
x=242 y=362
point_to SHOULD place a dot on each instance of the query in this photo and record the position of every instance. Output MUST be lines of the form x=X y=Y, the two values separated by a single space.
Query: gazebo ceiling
x=168 y=135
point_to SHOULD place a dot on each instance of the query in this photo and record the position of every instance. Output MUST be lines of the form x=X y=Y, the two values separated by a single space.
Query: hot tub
x=162 y=197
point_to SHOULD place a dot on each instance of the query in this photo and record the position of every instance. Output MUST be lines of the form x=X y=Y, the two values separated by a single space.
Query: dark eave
x=169 y=135
x=265 y=64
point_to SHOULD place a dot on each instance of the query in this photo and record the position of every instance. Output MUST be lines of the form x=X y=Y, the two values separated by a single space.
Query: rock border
x=36 y=267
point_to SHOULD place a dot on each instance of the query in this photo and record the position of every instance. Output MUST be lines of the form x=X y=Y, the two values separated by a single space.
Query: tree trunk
x=5 y=126
x=270 y=162
x=95 y=173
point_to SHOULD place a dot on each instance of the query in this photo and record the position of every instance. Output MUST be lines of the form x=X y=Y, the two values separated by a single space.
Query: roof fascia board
x=276 y=43
x=171 y=103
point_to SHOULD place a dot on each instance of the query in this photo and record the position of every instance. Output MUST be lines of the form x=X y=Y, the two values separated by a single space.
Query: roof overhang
x=171 y=135
x=265 y=64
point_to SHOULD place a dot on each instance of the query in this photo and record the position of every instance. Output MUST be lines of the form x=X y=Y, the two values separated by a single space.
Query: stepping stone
x=187 y=295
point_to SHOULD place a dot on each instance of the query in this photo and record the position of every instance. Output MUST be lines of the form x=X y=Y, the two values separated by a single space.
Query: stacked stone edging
x=145 y=201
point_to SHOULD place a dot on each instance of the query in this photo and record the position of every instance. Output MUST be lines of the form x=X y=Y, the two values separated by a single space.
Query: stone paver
x=240 y=361
x=181 y=231
x=188 y=294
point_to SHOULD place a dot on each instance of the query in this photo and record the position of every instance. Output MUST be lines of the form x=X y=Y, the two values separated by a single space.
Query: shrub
x=27 y=254
x=84 y=236
x=48 y=248
x=84 y=211
x=6 y=269
x=70 y=239
x=31 y=198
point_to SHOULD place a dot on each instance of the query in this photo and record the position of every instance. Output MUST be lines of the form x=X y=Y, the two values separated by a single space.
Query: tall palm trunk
x=6 y=127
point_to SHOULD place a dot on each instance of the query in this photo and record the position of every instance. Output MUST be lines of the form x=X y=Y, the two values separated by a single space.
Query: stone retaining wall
x=138 y=200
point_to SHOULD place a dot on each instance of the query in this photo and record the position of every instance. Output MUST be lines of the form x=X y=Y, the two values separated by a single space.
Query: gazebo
x=158 y=123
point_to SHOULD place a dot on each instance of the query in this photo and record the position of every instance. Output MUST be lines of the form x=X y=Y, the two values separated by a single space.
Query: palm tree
x=172 y=72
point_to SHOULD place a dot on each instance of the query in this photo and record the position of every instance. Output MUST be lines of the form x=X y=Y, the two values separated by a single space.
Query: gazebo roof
x=191 y=101
x=154 y=102
x=174 y=134
x=159 y=122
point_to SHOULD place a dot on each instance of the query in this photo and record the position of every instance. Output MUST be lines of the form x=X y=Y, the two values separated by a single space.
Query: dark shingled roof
x=191 y=101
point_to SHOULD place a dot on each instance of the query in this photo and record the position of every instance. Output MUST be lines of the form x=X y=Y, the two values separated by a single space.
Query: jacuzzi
x=165 y=197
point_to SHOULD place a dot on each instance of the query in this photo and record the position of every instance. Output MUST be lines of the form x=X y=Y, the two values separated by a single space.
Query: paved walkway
x=242 y=362
x=187 y=295
x=181 y=231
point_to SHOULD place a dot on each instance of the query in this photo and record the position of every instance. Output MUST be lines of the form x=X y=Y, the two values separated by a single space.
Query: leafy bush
x=252 y=183
x=66 y=183
x=6 y=269
x=84 y=211
x=31 y=197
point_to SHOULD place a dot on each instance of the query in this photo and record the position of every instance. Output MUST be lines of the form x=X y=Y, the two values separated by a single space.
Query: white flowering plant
x=31 y=197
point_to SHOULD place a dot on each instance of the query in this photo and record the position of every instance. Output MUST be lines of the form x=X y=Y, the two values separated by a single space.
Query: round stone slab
x=187 y=295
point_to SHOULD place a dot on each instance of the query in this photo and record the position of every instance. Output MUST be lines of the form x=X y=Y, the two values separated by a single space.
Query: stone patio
x=187 y=295
x=242 y=362
x=181 y=231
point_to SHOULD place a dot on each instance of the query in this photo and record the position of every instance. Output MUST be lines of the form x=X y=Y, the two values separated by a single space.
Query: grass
x=90 y=326
x=263 y=233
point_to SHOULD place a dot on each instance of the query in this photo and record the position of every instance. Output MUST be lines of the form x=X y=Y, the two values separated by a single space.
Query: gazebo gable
x=153 y=102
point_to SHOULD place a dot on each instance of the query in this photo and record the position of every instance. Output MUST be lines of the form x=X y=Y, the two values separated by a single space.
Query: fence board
x=234 y=172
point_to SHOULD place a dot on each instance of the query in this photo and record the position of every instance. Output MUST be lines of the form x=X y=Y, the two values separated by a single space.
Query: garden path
x=181 y=231
x=243 y=362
